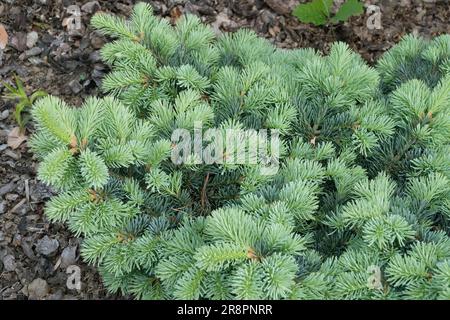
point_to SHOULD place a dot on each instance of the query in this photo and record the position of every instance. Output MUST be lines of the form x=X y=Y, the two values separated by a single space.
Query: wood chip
x=27 y=190
x=3 y=37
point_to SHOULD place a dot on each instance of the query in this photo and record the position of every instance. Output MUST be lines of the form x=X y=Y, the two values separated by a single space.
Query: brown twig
x=203 y=196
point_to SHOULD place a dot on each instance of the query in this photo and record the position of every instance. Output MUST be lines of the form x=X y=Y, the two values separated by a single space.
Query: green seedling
x=19 y=94
x=318 y=12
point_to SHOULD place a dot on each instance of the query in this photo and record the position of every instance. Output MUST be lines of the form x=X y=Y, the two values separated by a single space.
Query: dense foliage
x=359 y=209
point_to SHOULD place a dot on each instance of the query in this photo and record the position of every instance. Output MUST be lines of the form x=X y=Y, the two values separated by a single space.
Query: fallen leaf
x=175 y=14
x=73 y=141
x=221 y=19
x=16 y=138
x=3 y=37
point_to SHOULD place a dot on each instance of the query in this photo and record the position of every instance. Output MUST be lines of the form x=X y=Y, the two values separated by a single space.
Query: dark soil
x=66 y=63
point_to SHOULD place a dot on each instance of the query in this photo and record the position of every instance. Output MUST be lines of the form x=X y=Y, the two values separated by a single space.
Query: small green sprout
x=318 y=12
x=19 y=94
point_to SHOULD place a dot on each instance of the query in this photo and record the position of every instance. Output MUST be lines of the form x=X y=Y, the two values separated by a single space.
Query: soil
x=35 y=254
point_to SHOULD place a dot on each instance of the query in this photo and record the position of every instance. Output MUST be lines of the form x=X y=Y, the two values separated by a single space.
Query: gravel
x=38 y=289
x=47 y=246
x=90 y=7
x=33 y=52
x=75 y=86
x=2 y=207
x=7 y=188
x=9 y=262
x=68 y=256
x=4 y=114
x=32 y=38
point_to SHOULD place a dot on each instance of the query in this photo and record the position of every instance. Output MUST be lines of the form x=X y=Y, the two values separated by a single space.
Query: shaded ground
x=34 y=254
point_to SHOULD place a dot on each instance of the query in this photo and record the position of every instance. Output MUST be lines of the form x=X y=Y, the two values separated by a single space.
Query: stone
x=223 y=21
x=39 y=191
x=32 y=38
x=68 y=256
x=95 y=56
x=75 y=86
x=7 y=188
x=2 y=207
x=265 y=20
x=282 y=6
x=33 y=52
x=173 y=3
x=159 y=8
x=73 y=10
x=97 y=76
x=27 y=250
x=4 y=115
x=11 y=197
x=19 y=41
x=11 y=154
x=36 y=61
x=38 y=289
x=47 y=246
x=90 y=7
x=96 y=41
x=9 y=262
x=58 y=295
x=245 y=8
x=73 y=23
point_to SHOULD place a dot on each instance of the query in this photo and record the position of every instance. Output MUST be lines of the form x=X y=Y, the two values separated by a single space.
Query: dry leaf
x=251 y=254
x=3 y=37
x=175 y=14
x=73 y=141
x=16 y=138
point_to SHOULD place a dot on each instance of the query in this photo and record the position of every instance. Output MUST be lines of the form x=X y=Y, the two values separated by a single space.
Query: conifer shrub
x=358 y=209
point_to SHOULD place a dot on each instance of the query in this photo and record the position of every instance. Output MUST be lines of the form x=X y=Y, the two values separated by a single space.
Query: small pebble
x=47 y=246
x=75 y=86
x=33 y=52
x=36 y=61
x=19 y=41
x=68 y=256
x=27 y=250
x=32 y=38
x=38 y=289
x=58 y=295
x=90 y=7
x=97 y=42
x=4 y=115
x=11 y=197
x=95 y=56
x=73 y=9
x=12 y=154
x=7 y=188
x=9 y=262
